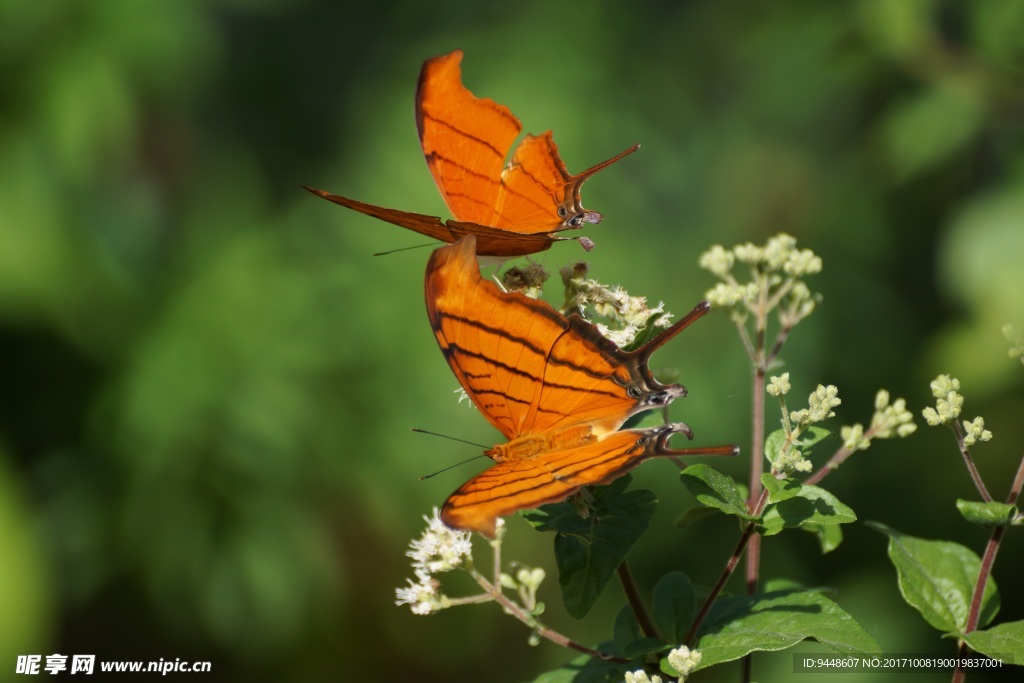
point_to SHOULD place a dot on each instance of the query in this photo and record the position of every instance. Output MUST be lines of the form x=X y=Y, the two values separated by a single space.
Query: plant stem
x=987 y=560
x=515 y=609
x=837 y=459
x=969 y=461
x=730 y=567
x=636 y=603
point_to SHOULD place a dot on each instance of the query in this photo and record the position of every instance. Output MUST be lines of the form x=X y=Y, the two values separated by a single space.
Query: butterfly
x=514 y=209
x=553 y=385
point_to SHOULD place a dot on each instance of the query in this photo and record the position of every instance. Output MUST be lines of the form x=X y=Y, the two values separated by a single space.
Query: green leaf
x=626 y=629
x=587 y=670
x=675 y=603
x=588 y=551
x=937 y=579
x=780 y=489
x=812 y=505
x=644 y=646
x=739 y=625
x=714 y=489
x=773 y=444
x=1005 y=641
x=830 y=536
x=986 y=514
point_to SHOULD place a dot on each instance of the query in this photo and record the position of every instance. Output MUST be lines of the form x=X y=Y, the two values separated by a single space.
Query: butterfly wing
x=490 y=241
x=528 y=368
x=466 y=140
x=551 y=477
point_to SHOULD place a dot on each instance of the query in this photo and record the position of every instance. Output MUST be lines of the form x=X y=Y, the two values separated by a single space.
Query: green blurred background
x=208 y=380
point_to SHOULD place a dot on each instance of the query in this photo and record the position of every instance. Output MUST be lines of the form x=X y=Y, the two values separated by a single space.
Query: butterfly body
x=533 y=445
x=556 y=389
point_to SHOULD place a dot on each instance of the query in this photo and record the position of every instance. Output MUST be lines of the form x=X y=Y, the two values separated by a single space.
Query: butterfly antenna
x=395 y=251
x=450 y=438
x=451 y=467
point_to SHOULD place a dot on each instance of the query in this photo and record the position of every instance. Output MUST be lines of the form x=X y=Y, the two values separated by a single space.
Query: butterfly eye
x=576 y=221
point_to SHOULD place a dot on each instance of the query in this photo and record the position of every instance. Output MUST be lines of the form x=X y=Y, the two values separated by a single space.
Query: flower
x=948 y=401
x=975 y=431
x=440 y=548
x=853 y=438
x=717 y=260
x=779 y=385
x=791 y=460
x=778 y=251
x=625 y=316
x=889 y=419
x=422 y=595
x=684 y=660
x=640 y=676
x=821 y=402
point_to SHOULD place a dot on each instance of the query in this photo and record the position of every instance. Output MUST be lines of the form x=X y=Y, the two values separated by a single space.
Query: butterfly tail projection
x=515 y=485
x=576 y=215
x=490 y=241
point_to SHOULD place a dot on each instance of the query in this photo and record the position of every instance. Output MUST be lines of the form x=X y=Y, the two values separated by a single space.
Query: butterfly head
x=573 y=214
x=658 y=397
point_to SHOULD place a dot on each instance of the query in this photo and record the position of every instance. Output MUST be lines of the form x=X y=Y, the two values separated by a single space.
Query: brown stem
x=730 y=567
x=837 y=459
x=987 y=561
x=636 y=603
x=516 y=610
x=969 y=461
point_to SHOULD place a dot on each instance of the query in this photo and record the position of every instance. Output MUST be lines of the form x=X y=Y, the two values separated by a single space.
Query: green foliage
x=937 y=579
x=208 y=380
x=739 y=625
x=589 y=550
x=988 y=514
x=1004 y=641
x=674 y=605
x=811 y=505
x=586 y=670
x=715 y=489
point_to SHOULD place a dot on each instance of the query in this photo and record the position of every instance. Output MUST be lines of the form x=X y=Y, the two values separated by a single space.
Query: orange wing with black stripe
x=556 y=388
x=514 y=209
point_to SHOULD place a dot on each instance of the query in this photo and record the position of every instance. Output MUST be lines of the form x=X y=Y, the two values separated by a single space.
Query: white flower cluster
x=820 y=405
x=624 y=315
x=779 y=386
x=948 y=402
x=821 y=402
x=975 y=431
x=439 y=549
x=779 y=264
x=682 y=659
x=888 y=421
x=890 y=418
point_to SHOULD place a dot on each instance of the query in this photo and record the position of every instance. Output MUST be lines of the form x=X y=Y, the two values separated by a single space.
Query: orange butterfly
x=513 y=210
x=556 y=388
